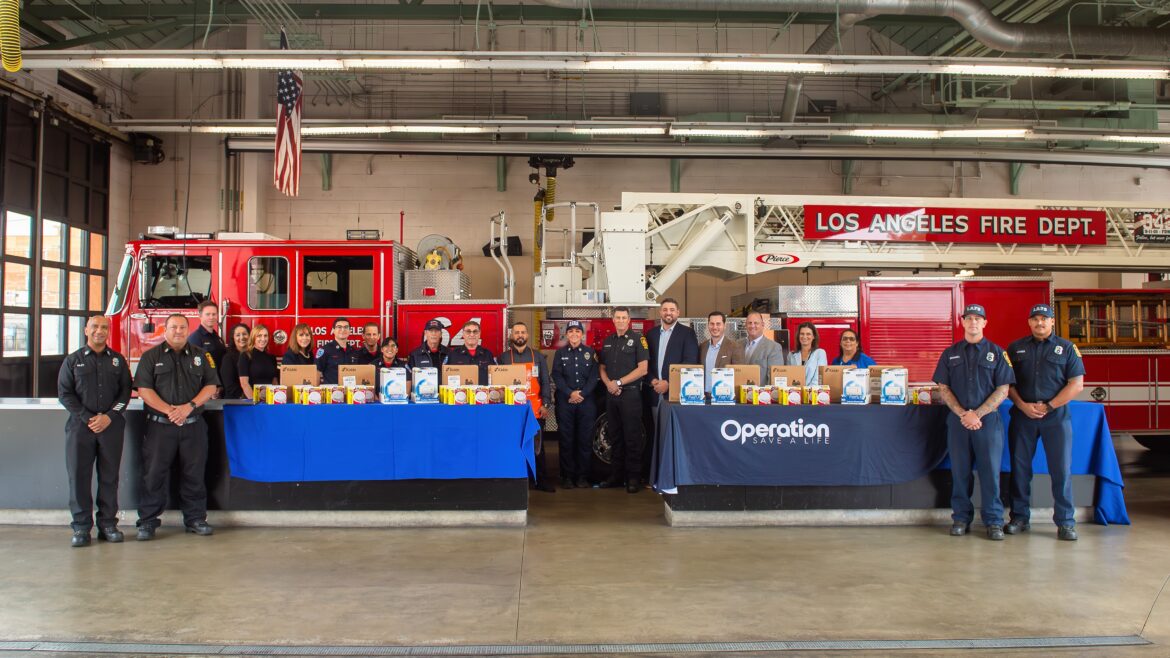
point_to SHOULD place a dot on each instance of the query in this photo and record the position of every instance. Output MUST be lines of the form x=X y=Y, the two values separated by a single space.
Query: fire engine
x=590 y=260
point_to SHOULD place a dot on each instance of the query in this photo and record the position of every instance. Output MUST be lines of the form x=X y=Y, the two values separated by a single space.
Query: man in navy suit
x=670 y=343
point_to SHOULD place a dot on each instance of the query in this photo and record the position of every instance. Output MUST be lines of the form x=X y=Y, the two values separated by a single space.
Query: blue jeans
x=980 y=449
x=1023 y=435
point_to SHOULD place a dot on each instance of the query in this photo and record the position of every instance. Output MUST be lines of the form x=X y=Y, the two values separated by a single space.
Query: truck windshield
x=118 y=297
x=175 y=281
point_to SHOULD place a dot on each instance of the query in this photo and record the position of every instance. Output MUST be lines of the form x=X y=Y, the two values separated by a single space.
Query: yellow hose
x=537 y=206
x=10 y=35
x=550 y=196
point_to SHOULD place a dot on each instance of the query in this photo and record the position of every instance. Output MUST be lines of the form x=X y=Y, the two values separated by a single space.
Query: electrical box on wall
x=147 y=148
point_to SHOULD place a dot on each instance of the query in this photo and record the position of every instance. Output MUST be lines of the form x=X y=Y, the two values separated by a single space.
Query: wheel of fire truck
x=602 y=465
x=1155 y=442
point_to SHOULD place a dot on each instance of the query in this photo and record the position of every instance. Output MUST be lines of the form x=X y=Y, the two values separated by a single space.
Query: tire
x=600 y=468
x=1159 y=443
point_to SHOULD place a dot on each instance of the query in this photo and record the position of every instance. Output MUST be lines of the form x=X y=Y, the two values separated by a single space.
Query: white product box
x=393 y=385
x=722 y=386
x=855 y=386
x=691 y=386
x=895 y=386
x=426 y=385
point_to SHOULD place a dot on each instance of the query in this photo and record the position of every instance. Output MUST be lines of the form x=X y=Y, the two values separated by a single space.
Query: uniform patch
x=991 y=357
x=1007 y=360
x=587 y=356
x=320 y=352
x=629 y=342
x=1058 y=350
x=115 y=362
x=1076 y=351
x=210 y=361
x=644 y=345
x=198 y=361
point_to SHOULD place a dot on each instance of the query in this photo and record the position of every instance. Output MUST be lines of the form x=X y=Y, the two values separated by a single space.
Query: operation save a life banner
x=924 y=224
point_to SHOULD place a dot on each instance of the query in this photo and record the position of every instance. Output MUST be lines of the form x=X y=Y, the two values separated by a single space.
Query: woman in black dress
x=300 y=348
x=257 y=366
x=229 y=370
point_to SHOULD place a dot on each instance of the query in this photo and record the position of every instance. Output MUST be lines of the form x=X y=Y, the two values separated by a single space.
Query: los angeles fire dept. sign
x=925 y=224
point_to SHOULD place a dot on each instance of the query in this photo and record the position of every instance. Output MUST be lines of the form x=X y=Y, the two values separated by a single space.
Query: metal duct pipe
x=821 y=46
x=971 y=14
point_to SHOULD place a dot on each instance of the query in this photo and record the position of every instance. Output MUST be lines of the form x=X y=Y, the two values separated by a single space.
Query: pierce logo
x=777 y=259
x=733 y=430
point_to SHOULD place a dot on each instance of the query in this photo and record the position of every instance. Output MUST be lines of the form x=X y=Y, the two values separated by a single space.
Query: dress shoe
x=1066 y=533
x=201 y=528
x=566 y=483
x=1017 y=526
x=633 y=486
x=995 y=532
x=960 y=529
x=145 y=533
x=112 y=535
x=545 y=487
x=80 y=539
x=583 y=483
x=610 y=483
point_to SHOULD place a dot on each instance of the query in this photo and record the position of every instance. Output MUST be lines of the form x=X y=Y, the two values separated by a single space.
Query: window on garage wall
x=53 y=266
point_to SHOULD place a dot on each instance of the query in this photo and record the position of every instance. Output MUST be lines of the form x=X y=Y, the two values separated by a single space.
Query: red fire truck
x=280 y=283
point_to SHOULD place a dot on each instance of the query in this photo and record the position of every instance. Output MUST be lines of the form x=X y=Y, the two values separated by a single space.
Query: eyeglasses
x=342 y=326
x=848 y=339
x=471 y=331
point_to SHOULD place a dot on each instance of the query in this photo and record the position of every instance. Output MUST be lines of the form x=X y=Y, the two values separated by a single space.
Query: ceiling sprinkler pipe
x=822 y=46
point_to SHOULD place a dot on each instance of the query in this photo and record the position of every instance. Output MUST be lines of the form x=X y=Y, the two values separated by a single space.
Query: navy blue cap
x=433 y=324
x=975 y=309
x=574 y=324
x=1042 y=309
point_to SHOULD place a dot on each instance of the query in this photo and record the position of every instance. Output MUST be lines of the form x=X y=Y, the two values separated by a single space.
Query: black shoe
x=112 y=535
x=610 y=483
x=1066 y=533
x=566 y=483
x=80 y=539
x=1017 y=526
x=995 y=532
x=583 y=483
x=201 y=528
x=145 y=533
x=959 y=529
x=633 y=486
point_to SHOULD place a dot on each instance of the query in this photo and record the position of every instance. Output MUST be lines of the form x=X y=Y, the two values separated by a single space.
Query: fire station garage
x=585 y=327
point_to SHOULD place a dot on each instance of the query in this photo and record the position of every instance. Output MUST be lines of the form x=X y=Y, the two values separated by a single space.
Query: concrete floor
x=600 y=566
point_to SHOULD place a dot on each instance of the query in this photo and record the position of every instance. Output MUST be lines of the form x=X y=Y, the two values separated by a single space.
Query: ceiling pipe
x=824 y=43
x=977 y=19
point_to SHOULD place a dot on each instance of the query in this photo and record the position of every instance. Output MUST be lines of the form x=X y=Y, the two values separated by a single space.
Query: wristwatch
x=618 y=381
x=193 y=405
x=1047 y=407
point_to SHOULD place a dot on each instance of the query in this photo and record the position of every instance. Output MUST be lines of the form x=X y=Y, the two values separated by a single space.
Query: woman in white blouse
x=807 y=353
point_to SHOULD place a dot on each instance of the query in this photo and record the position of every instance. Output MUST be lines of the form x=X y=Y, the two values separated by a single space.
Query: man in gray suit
x=718 y=351
x=761 y=350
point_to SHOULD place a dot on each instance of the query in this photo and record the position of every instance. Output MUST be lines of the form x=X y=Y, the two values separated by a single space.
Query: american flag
x=286 y=170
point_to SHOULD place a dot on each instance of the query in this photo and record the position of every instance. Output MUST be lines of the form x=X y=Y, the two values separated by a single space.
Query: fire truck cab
x=254 y=279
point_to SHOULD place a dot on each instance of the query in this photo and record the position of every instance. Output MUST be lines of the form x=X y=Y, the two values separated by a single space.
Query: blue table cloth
x=849 y=445
x=293 y=443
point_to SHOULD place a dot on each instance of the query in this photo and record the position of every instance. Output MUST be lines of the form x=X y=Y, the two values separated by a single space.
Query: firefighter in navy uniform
x=471 y=353
x=337 y=353
x=205 y=338
x=973 y=376
x=1049 y=374
x=575 y=374
x=624 y=361
x=94 y=386
x=174 y=381
x=432 y=352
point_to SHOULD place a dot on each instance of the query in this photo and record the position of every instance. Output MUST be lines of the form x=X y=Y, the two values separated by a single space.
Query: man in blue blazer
x=670 y=343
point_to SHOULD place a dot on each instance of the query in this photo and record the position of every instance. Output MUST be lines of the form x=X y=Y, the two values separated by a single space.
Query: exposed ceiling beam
x=455 y=12
x=41 y=28
x=110 y=35
x=525 y=149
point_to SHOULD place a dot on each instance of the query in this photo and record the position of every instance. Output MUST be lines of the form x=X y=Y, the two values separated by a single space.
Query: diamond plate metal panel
x=806 y=300
x=405 y=261
x=447 y=284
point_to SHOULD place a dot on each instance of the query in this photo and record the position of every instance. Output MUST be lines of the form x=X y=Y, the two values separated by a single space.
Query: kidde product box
x=875 y=380
x=308 y=395
x=271 y=394
x=359 y=394
x=687 y=387
x=299 y=375
x=457 y=395
x=355 y=375
x=791 y=395
x=460 y=376
x=722 y=386
x=925 y=395
x=816 y=395
x=894 y=386
x=855 y=386
x=676 y=381
x=517 y=395
x=515 y=374
x=759 y=395
x=393 y=385
x=334 y=393
x=792 y=376
x=426 y=385
x=831 y=376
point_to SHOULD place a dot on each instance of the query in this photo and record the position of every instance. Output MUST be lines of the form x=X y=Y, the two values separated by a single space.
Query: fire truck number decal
x=987 y=225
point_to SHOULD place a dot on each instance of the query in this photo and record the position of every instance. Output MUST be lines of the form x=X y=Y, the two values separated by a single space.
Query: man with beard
x=540 y=393
x=669 y=343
